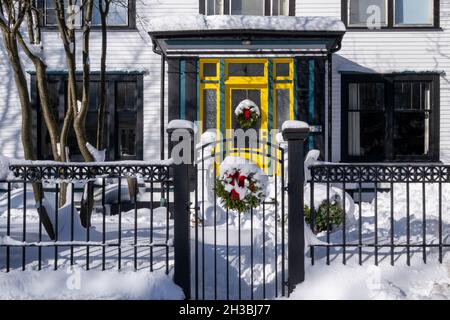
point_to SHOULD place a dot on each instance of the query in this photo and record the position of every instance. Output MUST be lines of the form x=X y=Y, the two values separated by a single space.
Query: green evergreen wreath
x=226 y=187
x=247 y=114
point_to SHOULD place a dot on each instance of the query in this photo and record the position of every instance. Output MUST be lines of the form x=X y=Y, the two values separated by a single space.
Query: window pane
x=283 y=106
x=247 y=7
x=127 y=141
x=126 y=96
x=366 y=134
x=366 y=96
x=210 y=70
x=411 y=133
x=283 y=69
x=117 y=15
x=357 y=13
x=209 y=109
x=210 y=7
x=280 y=7
x=246 y=69
x=414 y=12
x=50 y=12
x=412 y=95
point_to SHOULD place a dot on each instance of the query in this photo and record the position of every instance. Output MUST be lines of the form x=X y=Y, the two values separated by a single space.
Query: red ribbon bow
x=246 y=114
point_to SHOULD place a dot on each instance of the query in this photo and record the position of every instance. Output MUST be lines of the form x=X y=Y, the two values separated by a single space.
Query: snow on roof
x=238 y=22
x=355 y=68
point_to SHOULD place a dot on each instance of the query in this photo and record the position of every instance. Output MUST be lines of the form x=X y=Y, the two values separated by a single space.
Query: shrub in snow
x=336 y=195
x=241 y=184
x=247 y=113
x=329 y=216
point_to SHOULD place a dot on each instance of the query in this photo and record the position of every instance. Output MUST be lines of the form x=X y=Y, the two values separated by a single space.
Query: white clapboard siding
x=318 y=8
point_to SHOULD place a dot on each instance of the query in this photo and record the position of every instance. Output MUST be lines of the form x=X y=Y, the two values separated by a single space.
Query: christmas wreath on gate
x=240 y=187
x=247 y=113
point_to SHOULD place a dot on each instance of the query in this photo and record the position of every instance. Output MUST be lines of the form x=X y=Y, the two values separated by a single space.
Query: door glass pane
x=357 y=13
x=283 y=69
x=246 y=69
x=209 y=70
x=411 y=133
x=414 y=12
x=241 y=94
x=247 y=7
x=209 y=109
x=283 y=106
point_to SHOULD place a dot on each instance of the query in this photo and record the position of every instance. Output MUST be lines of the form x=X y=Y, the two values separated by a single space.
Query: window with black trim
x=248 y=7
x=390 y=117
x=391 y=14
x=124 y=115
x=122 y=13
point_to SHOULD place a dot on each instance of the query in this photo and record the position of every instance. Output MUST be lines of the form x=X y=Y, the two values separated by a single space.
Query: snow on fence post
x=296 y=133
x=181 y=138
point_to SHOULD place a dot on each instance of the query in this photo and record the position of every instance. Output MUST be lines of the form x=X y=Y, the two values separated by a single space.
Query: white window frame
x=385 y=24
x=400 y=25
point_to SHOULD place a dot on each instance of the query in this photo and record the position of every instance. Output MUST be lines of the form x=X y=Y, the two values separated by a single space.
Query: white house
x=387 y=97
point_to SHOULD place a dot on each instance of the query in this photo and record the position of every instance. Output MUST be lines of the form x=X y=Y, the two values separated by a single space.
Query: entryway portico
x=215 y=62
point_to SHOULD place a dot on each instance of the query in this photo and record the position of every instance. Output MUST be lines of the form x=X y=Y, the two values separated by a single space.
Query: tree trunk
x=10 y=42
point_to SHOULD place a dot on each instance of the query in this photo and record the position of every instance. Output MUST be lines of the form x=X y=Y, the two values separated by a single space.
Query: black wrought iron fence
x=379 y=211
x=129 y=216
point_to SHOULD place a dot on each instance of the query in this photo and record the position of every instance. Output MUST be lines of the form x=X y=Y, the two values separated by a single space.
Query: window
x=390 y=14
x=390 y=117
x=121 y=13
x=366 y=119
x=413 y=12
x=360 y=11
x=124 y=124
x=248 y=7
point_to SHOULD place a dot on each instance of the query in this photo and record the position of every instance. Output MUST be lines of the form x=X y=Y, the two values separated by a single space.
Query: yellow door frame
x=262 y=83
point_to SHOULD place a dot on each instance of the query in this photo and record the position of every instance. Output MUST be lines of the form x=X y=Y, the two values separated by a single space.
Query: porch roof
x=229 y=34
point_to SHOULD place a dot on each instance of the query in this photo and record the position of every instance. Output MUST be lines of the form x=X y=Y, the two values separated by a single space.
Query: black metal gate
x=238 y=255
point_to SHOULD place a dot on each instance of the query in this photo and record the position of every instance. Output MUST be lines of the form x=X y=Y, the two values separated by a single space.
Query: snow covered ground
x=254 y=259
x=74 y=283
x=351 y=281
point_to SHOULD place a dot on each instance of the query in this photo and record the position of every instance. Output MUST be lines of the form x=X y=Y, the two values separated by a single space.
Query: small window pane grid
x=401 y=125
x=247 y=7
x=395 y=14
x=118 y=16
x=239 y=70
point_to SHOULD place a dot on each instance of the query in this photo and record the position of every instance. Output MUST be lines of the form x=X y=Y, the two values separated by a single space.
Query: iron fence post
x=181 y=207
x=296 y=133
